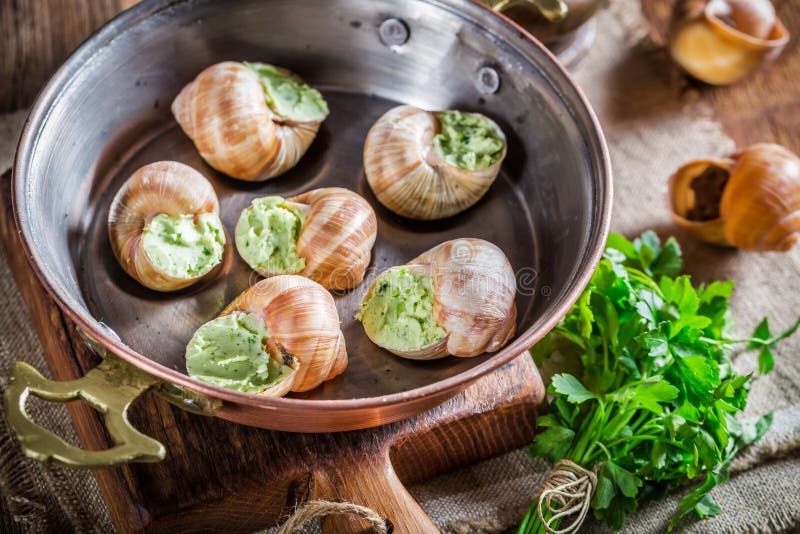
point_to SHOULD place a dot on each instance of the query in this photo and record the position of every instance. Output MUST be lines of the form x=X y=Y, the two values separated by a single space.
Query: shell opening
x=397 y=312
x=288 y=96
x=466 y=140
x=184 y=246
x=756 y=19
x=722 y=41
x=266 y=236
x=708 y=187
x=231 y=351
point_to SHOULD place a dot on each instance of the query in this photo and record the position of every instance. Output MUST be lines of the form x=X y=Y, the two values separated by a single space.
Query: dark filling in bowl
x=708 y=187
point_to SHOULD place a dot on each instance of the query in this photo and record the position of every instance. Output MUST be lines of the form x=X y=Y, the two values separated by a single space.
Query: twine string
x=567 y=491
x=318 y=508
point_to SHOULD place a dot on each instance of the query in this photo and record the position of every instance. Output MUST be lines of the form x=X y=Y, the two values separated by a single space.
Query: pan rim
x=502 y=26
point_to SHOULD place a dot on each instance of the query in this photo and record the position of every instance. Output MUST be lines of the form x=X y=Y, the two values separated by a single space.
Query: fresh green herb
x=653 y=406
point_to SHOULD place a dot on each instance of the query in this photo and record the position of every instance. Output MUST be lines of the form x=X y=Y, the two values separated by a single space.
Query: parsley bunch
x=654 y=401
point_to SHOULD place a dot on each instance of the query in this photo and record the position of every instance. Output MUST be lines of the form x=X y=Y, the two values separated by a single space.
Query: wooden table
x=762 y=108
x=220 y=476
x=36 y=36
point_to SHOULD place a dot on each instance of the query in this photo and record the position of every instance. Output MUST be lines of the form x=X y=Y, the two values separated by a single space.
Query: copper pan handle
x=109 y=388
x=552 y=10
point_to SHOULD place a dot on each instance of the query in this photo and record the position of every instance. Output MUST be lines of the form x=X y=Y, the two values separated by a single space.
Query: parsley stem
x=647 y=437
x=588 y=432
x=642 y=419
x=619 y=421
x=645 y=280
x=605 y=450
x=754 y=340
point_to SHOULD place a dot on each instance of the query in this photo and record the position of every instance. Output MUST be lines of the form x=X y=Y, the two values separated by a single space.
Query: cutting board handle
x=369 y=480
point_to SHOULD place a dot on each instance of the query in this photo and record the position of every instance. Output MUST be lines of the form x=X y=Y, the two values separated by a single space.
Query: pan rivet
x=393 y=32
x=488 y=81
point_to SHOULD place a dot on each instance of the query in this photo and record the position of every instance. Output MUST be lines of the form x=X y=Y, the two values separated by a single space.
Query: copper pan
x=106 y=112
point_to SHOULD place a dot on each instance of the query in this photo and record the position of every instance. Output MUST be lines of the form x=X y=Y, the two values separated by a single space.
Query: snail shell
x=336 y=238
x=410 y=178
x=225 y=113
x=750 y=200
x=164 y=187
x=722 y=41
x=302 y=319
x=473 y=298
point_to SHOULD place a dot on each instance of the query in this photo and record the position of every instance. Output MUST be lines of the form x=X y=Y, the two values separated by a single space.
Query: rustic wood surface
x=37 y=36
x=219 y=474
x=764 y=107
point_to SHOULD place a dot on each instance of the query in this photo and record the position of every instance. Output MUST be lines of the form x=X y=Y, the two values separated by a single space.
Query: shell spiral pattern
x=337 y=238
x=413 y=180
x=474 y=288
x=164 y=187
x=758 y=207
x=473 y=297
x=301 y=317
x=225 y=113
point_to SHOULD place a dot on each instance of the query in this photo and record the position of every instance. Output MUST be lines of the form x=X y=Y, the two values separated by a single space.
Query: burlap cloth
x=651 y=129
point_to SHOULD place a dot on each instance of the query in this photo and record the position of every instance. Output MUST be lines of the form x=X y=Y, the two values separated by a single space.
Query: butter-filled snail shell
x=164 y=226
x=750 y=200
x=325 y=234
x=429 y=165
x=251 y=121
x=281 y=334
x=455 y=299
x=721 y=41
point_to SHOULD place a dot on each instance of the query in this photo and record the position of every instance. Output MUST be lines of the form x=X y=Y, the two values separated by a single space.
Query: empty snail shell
x=164 y=226
x=429 y=165
x=750 y=200
x=455 y=299
x=325 y=234
x=281 y=334
x=722 y=41
x=249 y=121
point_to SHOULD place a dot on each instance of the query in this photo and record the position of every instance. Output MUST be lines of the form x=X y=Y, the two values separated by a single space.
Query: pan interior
x=159 y=325
x=112 y=116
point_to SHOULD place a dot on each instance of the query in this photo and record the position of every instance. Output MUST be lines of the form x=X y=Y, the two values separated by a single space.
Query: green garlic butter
x=398 y=312
x=289 y=97
x=467 y=141
x=266 y=236
x=230 y=352
x=184 y=246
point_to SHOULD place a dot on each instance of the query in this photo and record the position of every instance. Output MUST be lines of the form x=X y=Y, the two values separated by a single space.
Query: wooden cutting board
x=220 y=476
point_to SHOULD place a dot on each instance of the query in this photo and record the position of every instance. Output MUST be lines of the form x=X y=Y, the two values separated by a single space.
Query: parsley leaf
x=651 y=400
x=627 y=482
x=553 y=443
x=569 y=386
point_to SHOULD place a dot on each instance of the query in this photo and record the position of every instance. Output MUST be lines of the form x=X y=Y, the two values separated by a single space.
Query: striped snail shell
x=225 y=112
x=335 y=240
x=301 y=317
x=411 y=178
x=473 y=290
x=750 y=200
x=164 y=188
